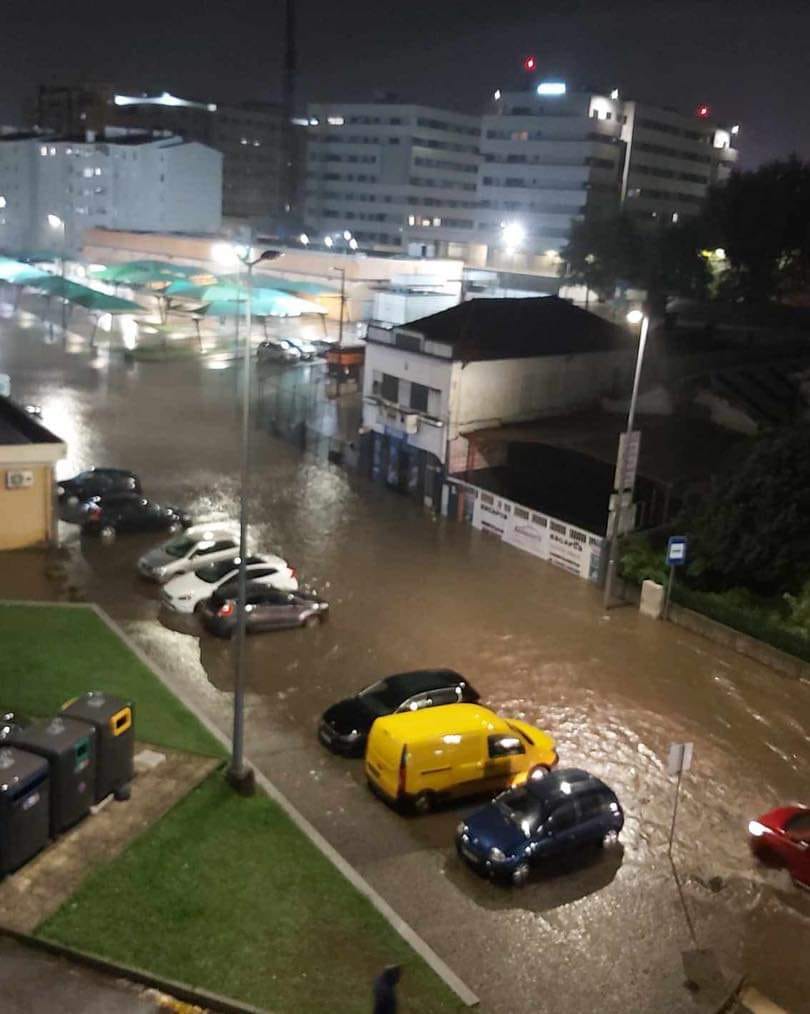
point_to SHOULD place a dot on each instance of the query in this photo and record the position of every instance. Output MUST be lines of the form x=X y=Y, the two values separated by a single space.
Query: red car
x=782 y=838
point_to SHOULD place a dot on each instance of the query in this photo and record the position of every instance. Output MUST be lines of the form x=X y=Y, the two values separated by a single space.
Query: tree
x=753 y=530
x=602 y=251
x=761 y=219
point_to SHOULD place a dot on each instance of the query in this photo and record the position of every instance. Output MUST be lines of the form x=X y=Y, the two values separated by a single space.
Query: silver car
x=198 y=545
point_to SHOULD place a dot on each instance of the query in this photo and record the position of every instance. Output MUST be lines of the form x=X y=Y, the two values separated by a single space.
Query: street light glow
x=303 y=239
x=635 y=317
x=353 y=243
x=3 y=202
x=55 y=222
x=551 y=88
x=228 y=254
x=513 y=235
x=347 y=235
x=328 y=242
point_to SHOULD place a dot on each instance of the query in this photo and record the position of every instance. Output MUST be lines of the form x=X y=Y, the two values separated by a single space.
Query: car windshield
x=799 y=826
x=213 y=572
x=179 y=547
x=522 y=809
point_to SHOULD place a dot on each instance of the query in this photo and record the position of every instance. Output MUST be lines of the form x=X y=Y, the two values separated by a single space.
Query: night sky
x=747 y=59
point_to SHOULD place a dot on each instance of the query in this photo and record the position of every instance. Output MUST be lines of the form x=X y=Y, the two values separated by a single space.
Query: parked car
x=265 y=609
x=781 y=837
x=426 y=756
x=277 y=350
x=97 y=482
x=129 y=512
x=546 y=817
x=305 y=349
x=187 y=592
x=197 y=545
x=345 y=726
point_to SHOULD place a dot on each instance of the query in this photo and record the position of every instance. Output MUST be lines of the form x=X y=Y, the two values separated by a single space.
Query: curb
x=179 y=990
x=411 y=937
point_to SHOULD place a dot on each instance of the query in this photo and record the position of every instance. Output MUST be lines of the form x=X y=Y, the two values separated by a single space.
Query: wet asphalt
x=605 y=932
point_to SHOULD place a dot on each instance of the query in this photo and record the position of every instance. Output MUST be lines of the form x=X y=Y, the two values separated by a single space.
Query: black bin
x=24 y=807
x=67 y=744
x=114 y=722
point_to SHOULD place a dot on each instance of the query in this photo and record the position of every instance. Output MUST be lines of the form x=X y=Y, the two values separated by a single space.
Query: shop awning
x=18 y=273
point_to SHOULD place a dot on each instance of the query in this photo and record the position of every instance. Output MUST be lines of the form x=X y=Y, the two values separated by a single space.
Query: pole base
x=242 y=782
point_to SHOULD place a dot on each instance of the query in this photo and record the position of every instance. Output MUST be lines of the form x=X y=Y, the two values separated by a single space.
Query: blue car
x=546 y=817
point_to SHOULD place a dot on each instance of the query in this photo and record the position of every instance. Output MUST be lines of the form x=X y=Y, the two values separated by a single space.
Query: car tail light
x=226 y=610
x=293 y=572
x=403 y=771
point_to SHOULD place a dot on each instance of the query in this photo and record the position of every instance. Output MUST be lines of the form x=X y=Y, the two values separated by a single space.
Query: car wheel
x=107 y=532
x=768 y=857
x=610 y=838
x=424 y=802
x=520 y=874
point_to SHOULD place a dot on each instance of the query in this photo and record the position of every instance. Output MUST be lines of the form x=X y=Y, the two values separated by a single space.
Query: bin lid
x=17 y=767
x=53 y=736
x=95 y=706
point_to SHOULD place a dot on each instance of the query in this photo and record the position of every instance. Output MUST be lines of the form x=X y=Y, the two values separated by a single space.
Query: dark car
x=266 y=609
x=129 y=512
x=345 y=726
x=781 y=837
x=546 y=817
x=97 y=482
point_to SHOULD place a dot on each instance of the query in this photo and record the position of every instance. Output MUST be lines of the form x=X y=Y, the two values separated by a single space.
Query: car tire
x=424 y=802
x=107 y=531
x=520 y=874
x=610 y=838
x=768 y=857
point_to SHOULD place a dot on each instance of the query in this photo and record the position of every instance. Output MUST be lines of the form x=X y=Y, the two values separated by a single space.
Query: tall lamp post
x=58 y=224
x=634 y=317
x=239 y=776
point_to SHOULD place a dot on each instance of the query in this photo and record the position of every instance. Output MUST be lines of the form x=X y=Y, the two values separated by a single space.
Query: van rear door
x=383 y=758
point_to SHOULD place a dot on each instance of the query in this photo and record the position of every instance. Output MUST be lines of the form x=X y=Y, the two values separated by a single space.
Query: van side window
x=505 y=746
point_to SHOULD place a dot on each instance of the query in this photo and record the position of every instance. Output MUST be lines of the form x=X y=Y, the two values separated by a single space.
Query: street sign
x=627 y=460
x=680 y=758
x=676 y=551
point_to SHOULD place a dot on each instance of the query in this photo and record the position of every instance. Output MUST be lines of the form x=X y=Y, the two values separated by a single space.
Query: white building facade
x=53 y=190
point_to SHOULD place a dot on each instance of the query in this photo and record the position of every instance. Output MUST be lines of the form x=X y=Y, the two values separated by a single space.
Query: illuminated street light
x=55 y=222
x=303 y=239
x=353 y=243
x=328 y=242
x=720 y=253
x=635 y=317
x=513 y=235
x=347 y=235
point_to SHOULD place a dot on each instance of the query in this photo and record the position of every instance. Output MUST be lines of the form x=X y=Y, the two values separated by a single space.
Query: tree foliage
x=753 y=530
x=762 y=221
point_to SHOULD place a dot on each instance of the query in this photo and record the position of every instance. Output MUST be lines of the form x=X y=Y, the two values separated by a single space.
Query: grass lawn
x=53 y=653
x=227 y=894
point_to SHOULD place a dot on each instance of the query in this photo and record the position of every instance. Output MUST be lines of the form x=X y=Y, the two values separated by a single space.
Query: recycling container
x=68 y=746
x=10 y=722
x=113 y=720
x=24 y=807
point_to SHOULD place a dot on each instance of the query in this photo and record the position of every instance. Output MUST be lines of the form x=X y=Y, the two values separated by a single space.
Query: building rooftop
x=482 y=329
x=18 y=427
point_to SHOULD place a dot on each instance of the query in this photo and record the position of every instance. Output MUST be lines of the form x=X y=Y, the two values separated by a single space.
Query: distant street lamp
x=633 y=317
x=239 y=776
x=328 y=242
x=56 y=223
x=513 y=236
x=303 y=239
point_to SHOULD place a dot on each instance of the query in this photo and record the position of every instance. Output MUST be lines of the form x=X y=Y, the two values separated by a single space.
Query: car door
x=560 y=831
x=272 y=609
x=592 y=822
x=122 y=514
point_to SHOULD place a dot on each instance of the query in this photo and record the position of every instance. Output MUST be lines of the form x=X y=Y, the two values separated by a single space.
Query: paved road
x=407 y=591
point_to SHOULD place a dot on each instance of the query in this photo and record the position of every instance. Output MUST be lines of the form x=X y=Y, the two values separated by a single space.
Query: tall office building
x=250 y=136
x=503 y=189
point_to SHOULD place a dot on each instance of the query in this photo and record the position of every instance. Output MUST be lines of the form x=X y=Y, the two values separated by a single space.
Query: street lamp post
x=342 y=272
x=239 y=776
x=634 y=317
x=55 y=222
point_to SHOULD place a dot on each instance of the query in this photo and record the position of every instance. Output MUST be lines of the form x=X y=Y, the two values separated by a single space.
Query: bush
x=641 y=562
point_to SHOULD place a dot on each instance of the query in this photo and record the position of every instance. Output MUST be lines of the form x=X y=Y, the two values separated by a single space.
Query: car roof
x=204 y=532
x=421 y=680
x=123 y=497
x=109 y=471
x=568 y=782
x=230 y=590
x=446 y=719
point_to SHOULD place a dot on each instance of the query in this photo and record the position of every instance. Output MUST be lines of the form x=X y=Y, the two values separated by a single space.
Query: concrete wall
x=511 y=390
x=26 y=515
x=192 y=192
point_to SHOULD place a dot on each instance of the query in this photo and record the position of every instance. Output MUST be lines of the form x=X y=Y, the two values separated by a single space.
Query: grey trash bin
x=114 y=722
x=24 y=807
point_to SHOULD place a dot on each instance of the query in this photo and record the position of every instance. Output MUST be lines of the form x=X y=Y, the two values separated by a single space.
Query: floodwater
x=407 y=591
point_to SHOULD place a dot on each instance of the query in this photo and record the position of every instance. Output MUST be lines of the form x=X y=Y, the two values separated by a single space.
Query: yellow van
x=422 y=757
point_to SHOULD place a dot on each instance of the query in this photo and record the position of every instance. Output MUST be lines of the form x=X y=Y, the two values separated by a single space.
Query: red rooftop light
x=703 y=111
x=530 y=63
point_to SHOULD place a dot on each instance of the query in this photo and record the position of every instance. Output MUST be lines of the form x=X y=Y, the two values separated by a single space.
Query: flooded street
x=409 y=591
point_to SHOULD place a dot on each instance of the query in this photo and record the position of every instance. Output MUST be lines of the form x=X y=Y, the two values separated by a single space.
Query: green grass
x=53 y=653
x=227 y=894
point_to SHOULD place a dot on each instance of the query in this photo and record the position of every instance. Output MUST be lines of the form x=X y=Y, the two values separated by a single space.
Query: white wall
x=399 y=307
x=192 y=194
x=511 y=390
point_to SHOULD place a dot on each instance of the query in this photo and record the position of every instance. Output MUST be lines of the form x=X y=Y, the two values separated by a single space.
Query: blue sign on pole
x=676 y=551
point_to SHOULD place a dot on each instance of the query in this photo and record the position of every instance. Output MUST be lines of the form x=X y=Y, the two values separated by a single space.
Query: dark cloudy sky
x=747 y=58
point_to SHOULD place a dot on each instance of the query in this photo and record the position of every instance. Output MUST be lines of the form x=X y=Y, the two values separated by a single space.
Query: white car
x=184 y=593
x=198 y=545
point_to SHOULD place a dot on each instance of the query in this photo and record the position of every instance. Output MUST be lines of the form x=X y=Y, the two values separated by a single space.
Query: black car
x=546 y=818
x=266 y=609
x=97 y=482
x=345 y=726
x=129 y=512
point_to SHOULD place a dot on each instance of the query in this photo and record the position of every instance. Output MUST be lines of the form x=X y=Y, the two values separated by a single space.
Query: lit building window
x=43 y=150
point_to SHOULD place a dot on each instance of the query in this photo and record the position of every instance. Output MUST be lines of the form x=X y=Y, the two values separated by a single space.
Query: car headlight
x=461 y=829
x=756 y=829
x=496 y=856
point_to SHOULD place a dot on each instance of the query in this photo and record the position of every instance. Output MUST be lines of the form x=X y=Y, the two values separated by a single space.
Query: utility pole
x=288 y=104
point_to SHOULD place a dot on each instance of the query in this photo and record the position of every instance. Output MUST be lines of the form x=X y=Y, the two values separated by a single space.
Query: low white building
x=52 y=190
x=483 y=363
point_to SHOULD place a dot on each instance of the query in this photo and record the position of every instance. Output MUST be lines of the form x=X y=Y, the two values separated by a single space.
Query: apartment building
x=250 y=136
x=396 y=177
x=54 y=189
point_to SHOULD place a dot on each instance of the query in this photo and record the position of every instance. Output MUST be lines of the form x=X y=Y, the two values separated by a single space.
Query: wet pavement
x=407 y=591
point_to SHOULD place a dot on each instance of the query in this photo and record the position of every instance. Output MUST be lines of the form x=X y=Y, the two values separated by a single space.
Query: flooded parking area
x=407 y=591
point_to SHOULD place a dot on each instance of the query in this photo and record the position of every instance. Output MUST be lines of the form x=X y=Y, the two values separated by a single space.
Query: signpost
x=676 y=557
x=679 y=760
